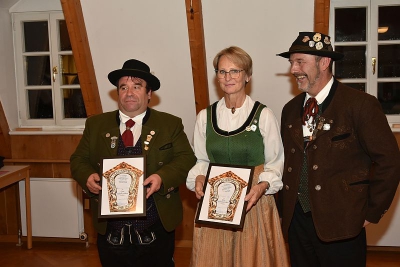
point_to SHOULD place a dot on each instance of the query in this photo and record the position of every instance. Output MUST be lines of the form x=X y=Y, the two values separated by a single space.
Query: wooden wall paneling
x=88 y=224
x=83 y=58
x=61 y=170
x=184 y=232
x=197 y=53
x=44 y=147
x=40 y=170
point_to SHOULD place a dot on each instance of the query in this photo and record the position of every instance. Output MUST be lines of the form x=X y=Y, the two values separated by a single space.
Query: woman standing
x=237 y=130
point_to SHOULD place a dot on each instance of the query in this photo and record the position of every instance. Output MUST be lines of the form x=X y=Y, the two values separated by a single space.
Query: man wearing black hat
x=341 y=166
x=136 y=129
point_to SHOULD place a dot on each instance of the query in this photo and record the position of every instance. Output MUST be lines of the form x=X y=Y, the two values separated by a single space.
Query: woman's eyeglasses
x=233 y=73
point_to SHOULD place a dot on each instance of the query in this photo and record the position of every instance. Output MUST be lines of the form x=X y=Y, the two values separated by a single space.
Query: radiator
x=56 y=205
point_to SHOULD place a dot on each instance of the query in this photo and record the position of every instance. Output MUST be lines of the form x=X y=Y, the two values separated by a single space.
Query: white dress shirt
x=320 y=97
x=136 y=129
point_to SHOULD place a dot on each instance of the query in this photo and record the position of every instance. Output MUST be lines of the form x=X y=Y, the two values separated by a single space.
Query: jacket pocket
x=359 y=182
x=340 y=137
x=166 y=146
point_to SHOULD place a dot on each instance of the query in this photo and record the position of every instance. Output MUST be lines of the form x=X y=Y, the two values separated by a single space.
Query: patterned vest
x=151 y=212
x=303 y=194
x=243 y=146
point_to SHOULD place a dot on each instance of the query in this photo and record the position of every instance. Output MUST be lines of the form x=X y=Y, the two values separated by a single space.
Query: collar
x=322 y=94
x=137 y=119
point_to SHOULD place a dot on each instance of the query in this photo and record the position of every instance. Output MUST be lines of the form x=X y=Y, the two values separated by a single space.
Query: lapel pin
x=113 y=141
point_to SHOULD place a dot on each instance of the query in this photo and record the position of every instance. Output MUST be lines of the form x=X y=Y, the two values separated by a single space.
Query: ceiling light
x=383 y=29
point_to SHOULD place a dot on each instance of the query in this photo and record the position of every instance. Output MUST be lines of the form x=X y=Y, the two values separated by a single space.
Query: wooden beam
x=321 y=16
x=83 y=58
x=5 y=143
x=197 y=53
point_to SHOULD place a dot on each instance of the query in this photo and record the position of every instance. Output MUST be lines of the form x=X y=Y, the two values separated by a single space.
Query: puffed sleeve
x=199 y=145
x=273 y=151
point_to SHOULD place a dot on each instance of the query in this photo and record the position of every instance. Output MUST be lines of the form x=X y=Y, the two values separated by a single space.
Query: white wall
x=263 y=29
x=8 y=92
x=152 y=31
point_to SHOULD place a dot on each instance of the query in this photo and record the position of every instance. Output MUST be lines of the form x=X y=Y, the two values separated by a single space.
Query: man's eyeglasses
x=233 y=73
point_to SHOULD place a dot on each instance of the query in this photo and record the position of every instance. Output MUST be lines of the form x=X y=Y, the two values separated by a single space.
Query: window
x=367 y=32
x=47 y=82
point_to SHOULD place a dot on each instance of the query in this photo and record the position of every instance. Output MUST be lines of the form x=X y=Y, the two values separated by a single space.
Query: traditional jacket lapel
x=149 y=132
x=326 y=120
x=149 y=135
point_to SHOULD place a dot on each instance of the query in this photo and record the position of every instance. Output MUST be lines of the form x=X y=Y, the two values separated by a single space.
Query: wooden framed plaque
x=225 y=188
x=123 y=193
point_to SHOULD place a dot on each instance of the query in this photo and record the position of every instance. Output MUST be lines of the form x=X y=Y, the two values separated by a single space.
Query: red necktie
x=310 y=109
x=127 y=136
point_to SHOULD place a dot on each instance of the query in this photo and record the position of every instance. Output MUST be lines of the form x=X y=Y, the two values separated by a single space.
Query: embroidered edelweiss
x=306 y=39
x=319 y=46
x=317 y=37
x=311 y=43
x=327 y=41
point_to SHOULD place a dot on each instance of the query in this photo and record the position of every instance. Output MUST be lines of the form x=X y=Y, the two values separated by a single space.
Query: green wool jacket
x=169 y=155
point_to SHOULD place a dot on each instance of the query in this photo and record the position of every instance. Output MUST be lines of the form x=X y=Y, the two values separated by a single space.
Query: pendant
x=233 y=110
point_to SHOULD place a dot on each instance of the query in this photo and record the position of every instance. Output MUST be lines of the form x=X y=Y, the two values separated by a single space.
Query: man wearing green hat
x=341 y=166
x=135 y=129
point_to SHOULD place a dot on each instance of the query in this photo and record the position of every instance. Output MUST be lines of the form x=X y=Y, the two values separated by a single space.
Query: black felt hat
x=135 y=68
x=313 y=43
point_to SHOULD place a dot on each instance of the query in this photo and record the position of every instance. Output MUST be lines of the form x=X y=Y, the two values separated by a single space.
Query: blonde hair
x=238 y=56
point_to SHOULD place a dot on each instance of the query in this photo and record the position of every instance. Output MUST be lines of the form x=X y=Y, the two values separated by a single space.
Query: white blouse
x=273 y=148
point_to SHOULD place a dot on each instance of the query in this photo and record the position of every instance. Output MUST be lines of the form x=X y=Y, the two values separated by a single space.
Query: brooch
x=113 y=141
x=148 y=139
x=326 y=127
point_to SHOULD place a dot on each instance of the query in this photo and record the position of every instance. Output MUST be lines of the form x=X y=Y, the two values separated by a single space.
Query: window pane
x=40 y=104
x=36 y=36
x=350 y=24
x=353 y=63
x=358 y=86
x=65 y=44
x=389 y=61
x=389 y=96
x=74 y=107
x=389 y=20
x=38 y=70
x=68 y=70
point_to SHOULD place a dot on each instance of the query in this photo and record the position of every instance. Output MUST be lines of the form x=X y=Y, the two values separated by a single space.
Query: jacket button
x=289 y=169
x=290 y=126
x=292 y=150
x=286 y=187
x=315 y=167
x=314 y=146
x=161 y=163
x=168 y=196
x=317 y=187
